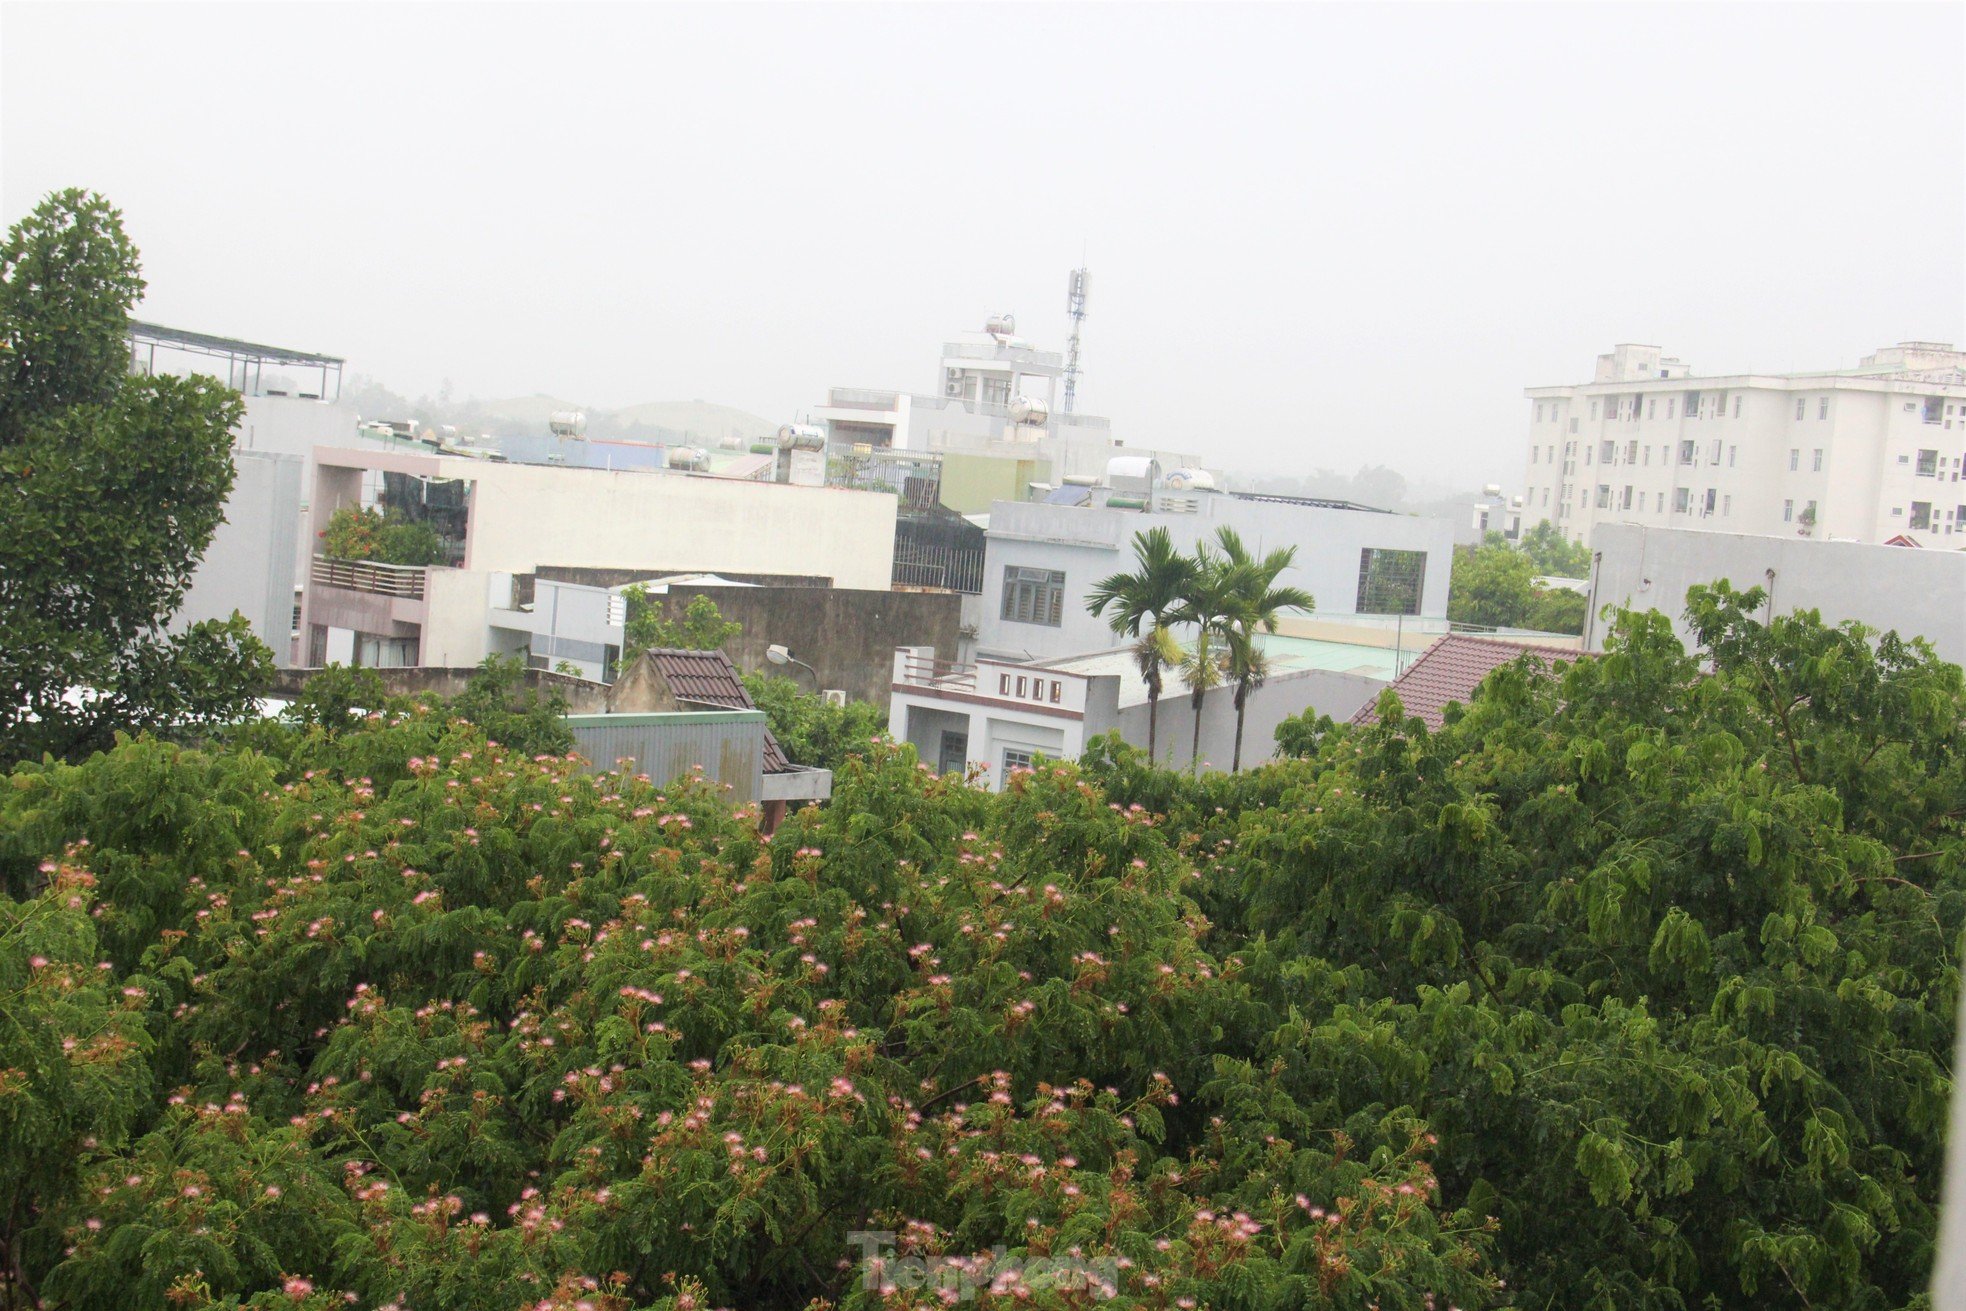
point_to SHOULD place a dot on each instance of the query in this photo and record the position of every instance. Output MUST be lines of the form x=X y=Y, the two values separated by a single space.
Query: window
x=1003 y=689
x=1737 y=407
x=1928 y=464
x=1593 y=409
x=1535 y=454
x=1631 y=452
x=1015 y=758
x=1057 y=691
x=1021 y=680
x=1730 y=455
x=1539 y=411
x=1816 y=459
x=1573 y=424
x=1652 y=407
x=1794 y=457
x=1546 y=496
x=1605 y=452
x=1603 y=496
x=1390 y=582
x=950 y=759
x=1679 y=499
x=1788 y=511
x=1720 y=406
x=1708 y=510
x=1726 y=506
x=1670 y=402
x=1921 y=514
x=1809 y=514
x=1648 y=455
x=1800 y=403
x=1692 y=405
x=1034 y=596
x=1822 y=408
x=1714 y=458
x=1686 y=452
x=1627 y=502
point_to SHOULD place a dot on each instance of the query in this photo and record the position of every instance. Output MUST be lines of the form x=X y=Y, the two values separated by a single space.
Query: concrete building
x=1865 y=454
x=996 y=396
x=1043 y=560
x=1889 y=588
x=253 y=558
x=499 y=521
x=998 y=715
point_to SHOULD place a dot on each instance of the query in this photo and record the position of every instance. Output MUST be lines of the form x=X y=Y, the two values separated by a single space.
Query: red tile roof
x=708 y=678
x=1451 y=669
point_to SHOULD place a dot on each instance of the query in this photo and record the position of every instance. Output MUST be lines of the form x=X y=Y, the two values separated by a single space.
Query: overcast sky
x=1319 y=236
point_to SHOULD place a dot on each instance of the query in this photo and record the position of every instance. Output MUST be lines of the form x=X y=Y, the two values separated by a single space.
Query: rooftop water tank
x=802 y=437
x=688 y=457
x=1030 y=410
x=567 y=423
x=1190 y=480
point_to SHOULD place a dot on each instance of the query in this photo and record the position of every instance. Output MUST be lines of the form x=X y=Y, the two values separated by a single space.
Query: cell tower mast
x=1075 y=292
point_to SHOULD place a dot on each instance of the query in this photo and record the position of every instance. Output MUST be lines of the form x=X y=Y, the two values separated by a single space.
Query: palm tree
x=1205 y=604
x=1143 y=603
x=1252 y=603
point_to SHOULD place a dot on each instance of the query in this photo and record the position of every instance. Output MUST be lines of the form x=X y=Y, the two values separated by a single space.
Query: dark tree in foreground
x=110 y=489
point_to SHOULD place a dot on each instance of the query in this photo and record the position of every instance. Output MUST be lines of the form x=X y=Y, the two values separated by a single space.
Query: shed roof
x=708 y=678
x=1451 y=669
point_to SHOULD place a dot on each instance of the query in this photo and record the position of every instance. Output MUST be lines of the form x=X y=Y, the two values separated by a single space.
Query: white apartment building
x=1870 y=454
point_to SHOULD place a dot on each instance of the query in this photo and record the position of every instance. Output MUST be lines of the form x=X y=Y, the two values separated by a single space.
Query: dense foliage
x=1551 y=554
x=1667 y=959
x=111 y=487
x=354 y=533
x=400 y=1018
x=1654 y=966
x=651 y=626
x=1494 y=586
x=811 y=731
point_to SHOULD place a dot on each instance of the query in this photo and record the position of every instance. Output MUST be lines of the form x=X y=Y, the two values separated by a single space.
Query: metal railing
x=862 y=398
x=938 y=675
x=405 y=580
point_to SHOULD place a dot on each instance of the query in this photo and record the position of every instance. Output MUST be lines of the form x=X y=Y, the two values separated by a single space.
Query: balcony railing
x=938 y=675
x=861 y=398
x=405 y=580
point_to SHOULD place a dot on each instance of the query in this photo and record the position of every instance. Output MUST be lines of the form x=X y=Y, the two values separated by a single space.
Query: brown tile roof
x=1451 y=669
x=708 y=678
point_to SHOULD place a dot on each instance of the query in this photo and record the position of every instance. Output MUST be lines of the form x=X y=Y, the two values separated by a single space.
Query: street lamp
x=780 y=655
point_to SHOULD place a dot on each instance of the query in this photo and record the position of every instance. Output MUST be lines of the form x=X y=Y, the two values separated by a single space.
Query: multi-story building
x=1870 y=454
x=499 y=522
x=996 y=396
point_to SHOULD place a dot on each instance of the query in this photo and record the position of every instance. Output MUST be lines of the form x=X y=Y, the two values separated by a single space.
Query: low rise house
x=997 y=715
x=1452 y=668
x=1042 y=561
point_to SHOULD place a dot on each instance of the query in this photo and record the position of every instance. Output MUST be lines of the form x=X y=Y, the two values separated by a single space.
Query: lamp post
x=780 y=655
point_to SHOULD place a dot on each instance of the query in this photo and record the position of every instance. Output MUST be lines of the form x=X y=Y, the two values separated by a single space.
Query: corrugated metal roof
x=708 y=678
x=1451 y=670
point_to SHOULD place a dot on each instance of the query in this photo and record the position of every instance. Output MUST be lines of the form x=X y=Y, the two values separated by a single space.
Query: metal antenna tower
x=1075 y=292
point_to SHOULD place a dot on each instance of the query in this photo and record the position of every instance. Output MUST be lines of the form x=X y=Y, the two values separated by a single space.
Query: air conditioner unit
x=834 y=696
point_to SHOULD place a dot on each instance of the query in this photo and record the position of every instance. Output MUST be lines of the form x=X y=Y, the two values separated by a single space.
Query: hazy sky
x=1319 y=236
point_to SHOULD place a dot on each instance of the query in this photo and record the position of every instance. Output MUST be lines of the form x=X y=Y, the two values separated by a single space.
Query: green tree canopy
x=111 y=487
x=653 y=626
x=1552 y=555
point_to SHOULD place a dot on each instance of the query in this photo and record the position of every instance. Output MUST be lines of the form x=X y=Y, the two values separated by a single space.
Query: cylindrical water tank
x=802 y=437
x=688 y=457
x=1030 y=410
x=567 y=423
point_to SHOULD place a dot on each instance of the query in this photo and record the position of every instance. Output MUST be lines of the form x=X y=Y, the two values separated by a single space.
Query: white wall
x=1089 y=544
x=457 y=604
x=524 y=516
x=249 y=566
x=1915 y=592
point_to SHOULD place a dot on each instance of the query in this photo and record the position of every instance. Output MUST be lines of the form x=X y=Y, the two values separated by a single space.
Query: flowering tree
x=384 y=1015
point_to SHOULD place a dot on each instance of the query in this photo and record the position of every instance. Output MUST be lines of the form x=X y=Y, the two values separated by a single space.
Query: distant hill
x=696 y=421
